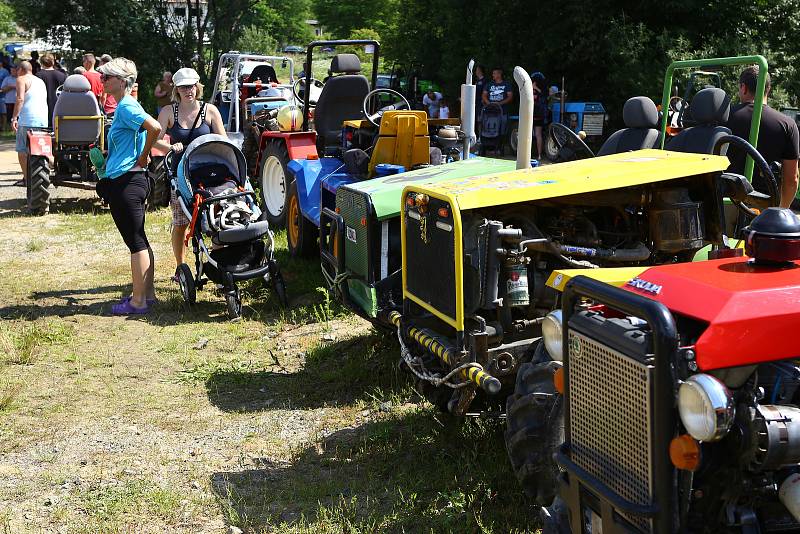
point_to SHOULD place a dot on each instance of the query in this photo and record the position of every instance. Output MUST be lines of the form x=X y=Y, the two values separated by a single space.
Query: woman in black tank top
x=185 y=120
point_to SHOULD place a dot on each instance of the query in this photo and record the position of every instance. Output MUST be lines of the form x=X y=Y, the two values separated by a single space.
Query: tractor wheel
x=513 y=139
x=250 y=148
x=38 y=184
x=534 y=429
x=301 y=235
x=274 y=183
x=159 y=182
x=551 y=146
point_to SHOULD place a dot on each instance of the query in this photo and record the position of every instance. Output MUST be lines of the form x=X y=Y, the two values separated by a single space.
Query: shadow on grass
x=359 y=369
x=75 y=302
x=17 y=207
x=408 y=472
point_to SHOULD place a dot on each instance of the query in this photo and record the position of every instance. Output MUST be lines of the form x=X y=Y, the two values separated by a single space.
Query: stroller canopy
x=206 y=150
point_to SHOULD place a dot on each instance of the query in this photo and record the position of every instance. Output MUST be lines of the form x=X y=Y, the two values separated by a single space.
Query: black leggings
x=126 y=196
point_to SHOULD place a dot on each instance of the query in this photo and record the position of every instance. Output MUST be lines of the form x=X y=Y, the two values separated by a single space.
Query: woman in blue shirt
x=126 y=185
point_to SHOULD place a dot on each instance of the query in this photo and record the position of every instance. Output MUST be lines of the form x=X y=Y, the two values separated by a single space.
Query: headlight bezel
x=553 y=335
x=705 y=407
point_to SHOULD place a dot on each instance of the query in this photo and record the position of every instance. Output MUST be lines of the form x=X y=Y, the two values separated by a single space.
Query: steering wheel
x=761 y=163
x=300 y=99
x=565 y=144
x=375 y=118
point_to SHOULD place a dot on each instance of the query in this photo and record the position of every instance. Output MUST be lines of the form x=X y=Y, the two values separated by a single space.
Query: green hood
x=386 y=191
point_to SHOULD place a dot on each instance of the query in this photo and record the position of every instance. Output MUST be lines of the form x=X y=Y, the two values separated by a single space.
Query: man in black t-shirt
x=498 y=91
x=52 y=79
x=778 y=138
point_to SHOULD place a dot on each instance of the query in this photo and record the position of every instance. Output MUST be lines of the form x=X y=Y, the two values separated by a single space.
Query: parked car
x=294 y=49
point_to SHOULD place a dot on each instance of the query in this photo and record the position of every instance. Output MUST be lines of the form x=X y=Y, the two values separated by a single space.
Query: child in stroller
x=213 y=191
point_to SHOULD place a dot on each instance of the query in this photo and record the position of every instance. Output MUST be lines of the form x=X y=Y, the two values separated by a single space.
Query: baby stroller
x=493 y=128
x=213 y=191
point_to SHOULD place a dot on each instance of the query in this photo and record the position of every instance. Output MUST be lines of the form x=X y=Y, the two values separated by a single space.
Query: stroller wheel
x=186 y=280
x=278 y=284
x=234 y=303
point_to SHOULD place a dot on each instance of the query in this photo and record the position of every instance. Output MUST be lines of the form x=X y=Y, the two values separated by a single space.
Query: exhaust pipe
x=525 y=127
x=468 y=111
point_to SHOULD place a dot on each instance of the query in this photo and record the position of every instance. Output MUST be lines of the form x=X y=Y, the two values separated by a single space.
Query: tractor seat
x=641 y=128
x=341 y=99
x=77 y=100
x=710 y=108
x=265 y=74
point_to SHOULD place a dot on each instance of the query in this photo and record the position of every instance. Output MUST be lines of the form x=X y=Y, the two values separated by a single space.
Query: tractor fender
x=40 y=143
x=299 y=145
x=308 y=174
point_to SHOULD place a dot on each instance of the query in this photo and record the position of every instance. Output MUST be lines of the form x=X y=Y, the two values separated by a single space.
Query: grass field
x=181 y=421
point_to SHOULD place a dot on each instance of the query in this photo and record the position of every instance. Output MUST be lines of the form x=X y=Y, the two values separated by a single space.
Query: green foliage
x=257 y=41
x=284 y=20
x=361 y=34
x=606 y=50
x=341 y=18
x=8 y=23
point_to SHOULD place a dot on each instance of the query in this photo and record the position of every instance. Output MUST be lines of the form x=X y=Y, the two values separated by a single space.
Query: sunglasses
x=105 y=77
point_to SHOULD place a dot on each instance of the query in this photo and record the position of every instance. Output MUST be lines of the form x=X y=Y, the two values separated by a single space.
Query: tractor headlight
x=706 y=407
x=551 y=333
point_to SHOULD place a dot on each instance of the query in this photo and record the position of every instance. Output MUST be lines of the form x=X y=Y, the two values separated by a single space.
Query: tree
x=257 y=41
x=8 y=23
x=341 y=18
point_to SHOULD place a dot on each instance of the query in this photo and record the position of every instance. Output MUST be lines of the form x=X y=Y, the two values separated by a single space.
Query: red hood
x=752 y=312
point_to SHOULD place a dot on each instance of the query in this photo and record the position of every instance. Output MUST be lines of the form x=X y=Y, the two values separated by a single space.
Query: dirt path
x=12 y=197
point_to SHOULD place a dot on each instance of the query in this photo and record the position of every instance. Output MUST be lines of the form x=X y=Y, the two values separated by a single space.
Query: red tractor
x=681 y=394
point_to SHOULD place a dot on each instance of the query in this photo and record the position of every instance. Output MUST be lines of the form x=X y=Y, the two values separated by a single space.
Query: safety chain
x=418 y=368
x=336 y=281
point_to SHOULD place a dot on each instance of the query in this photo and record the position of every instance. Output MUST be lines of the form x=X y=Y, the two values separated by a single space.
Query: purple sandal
x=149 y=302
x=126 y=308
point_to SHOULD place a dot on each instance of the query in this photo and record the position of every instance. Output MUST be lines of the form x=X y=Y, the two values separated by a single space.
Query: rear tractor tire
x=159 y=182
x=38 y=184
x=535 y=429
x=274 y=183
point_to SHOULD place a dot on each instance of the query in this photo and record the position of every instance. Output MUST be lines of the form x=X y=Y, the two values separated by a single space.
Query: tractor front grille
x=593 y=123
x=610 y=400
x=354 y=209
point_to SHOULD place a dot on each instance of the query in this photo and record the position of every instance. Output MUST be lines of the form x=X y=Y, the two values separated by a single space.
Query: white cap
x=185 y=76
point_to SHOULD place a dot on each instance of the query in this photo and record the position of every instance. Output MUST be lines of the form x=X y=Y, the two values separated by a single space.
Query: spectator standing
x=778 y=138
x=185 y=120
x=163 y=91
x=78 y=70
x=480 y=85
x=3 y=70
x=109 y=104
x=30 y=110
x=9 y=89
x=539 y=109
x=444 y=109
x=126 y=185
x=432 y=100
x=52 y=80
x=35 y=62
x=94 y=77
x=59 y=66
x=498 y=91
